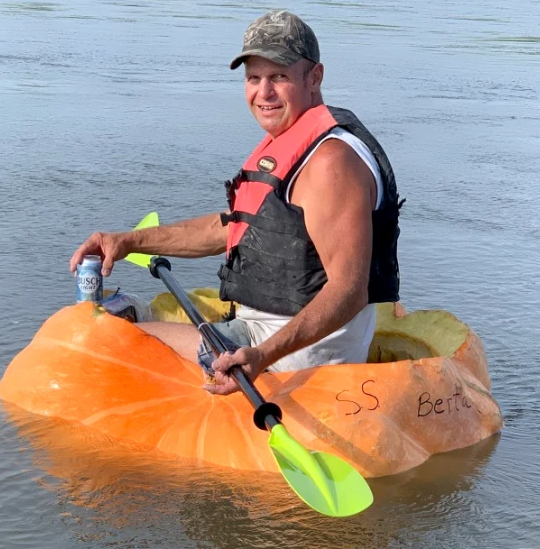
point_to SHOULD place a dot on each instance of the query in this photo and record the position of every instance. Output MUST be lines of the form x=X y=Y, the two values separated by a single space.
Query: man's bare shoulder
x=333 y=147
x=334 y=166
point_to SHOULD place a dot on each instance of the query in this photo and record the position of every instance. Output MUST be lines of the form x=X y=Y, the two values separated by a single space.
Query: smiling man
x=312 y=227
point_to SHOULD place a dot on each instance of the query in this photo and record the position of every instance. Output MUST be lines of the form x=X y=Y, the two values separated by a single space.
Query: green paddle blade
x=143 y=260
x=325 y=482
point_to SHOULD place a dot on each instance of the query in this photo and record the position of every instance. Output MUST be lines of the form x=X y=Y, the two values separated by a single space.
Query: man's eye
x=280 y=77
x=253 y=79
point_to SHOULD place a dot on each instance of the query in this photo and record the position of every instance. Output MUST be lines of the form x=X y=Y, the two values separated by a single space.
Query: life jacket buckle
x=231 y=186
x=228 y=218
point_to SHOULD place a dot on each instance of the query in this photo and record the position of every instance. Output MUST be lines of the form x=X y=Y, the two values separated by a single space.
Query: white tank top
x=350 y=343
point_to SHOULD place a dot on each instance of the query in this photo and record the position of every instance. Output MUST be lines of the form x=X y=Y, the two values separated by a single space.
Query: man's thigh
x=184 y=339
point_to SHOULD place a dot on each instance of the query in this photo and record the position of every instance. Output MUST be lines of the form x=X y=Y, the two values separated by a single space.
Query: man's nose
x=266 y=88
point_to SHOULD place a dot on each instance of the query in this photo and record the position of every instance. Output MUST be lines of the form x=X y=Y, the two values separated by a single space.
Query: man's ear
x=317 y=75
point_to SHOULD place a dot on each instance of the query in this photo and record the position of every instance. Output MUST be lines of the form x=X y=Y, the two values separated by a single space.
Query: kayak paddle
x=143 y=260
x=325 y=482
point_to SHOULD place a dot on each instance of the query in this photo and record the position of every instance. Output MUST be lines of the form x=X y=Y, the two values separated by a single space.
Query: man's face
x=278 y=95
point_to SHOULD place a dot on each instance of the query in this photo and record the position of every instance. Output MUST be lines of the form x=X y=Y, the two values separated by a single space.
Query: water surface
x=111 y=109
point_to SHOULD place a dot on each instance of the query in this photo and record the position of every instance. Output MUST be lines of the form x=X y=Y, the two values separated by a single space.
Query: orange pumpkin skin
x=87 y=366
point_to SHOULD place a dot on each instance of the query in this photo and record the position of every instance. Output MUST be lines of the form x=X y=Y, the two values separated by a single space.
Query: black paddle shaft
x=267 y=414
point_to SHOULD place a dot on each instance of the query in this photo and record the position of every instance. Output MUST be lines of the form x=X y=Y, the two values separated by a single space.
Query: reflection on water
x=106 y=491
x=111 y=110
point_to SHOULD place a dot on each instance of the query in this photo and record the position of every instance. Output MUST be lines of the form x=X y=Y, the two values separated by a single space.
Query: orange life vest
x=272 y=264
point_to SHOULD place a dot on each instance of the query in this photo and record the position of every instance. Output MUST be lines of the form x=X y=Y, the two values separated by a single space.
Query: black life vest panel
x=272 y=264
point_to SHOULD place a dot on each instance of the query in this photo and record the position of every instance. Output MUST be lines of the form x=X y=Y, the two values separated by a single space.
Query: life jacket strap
x=263 y=177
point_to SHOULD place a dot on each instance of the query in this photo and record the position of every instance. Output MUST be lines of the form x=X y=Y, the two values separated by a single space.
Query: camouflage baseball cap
x=280 y=37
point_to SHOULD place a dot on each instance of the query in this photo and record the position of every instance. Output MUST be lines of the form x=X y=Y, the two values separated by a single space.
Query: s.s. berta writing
x=373 y=403
x=427 y=403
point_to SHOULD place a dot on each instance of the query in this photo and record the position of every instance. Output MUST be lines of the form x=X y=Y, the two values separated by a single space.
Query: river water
x=111 y=109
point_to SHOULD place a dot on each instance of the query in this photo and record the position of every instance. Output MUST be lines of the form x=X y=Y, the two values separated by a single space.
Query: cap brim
x=278 y=54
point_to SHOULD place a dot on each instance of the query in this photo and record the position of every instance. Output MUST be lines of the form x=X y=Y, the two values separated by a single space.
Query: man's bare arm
x=198 y=237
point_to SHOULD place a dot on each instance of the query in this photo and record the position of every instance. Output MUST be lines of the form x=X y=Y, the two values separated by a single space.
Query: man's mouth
x=268 y=108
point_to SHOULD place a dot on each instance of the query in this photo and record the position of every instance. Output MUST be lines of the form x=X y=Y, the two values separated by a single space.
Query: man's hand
x=110 y=247
x=249 y=358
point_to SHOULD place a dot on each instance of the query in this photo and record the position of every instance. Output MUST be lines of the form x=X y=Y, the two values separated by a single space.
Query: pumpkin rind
x=87 y=366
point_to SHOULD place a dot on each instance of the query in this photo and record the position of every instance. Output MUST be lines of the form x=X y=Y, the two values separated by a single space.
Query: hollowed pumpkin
x=424 y=390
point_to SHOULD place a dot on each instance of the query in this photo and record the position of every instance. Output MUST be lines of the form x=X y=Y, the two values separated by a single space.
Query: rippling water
x=110 y=109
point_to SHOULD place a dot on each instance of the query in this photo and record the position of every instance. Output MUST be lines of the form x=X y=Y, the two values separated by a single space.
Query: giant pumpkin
x=425 y=390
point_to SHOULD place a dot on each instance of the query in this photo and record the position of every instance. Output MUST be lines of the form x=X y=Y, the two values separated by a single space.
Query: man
x=311 y=232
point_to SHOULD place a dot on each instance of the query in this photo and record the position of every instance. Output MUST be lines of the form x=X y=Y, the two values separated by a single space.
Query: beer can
x=90 y=279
